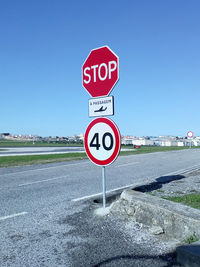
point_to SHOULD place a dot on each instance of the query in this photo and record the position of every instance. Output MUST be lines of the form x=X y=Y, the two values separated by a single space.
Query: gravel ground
x=111 y=241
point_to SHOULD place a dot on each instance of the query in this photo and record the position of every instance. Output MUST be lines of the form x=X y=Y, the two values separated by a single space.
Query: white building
x=127 y=140
x=160 y=141
x=143 y=142
x=171 y=143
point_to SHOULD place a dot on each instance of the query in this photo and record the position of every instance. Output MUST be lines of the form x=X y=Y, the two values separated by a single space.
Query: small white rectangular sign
x=101 y=106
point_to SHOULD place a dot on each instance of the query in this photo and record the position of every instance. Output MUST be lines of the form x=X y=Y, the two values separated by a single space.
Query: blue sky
x=44 y=44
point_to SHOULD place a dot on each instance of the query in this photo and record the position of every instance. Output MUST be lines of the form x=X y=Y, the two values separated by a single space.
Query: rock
x=156 y=230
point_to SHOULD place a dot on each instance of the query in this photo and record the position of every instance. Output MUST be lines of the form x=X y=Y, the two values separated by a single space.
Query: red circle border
x=117 y=138
x=191 y=133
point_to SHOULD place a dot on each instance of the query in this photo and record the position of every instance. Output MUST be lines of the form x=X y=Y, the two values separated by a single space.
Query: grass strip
x=39 y=159
x=191 y=239
x=151 y=149
x=192 y=200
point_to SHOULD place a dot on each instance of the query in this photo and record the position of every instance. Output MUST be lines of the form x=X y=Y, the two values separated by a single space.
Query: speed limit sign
x=190 y=134
x=102 y=141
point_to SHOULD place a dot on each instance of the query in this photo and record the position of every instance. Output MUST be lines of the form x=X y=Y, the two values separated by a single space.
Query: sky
x=44 y=43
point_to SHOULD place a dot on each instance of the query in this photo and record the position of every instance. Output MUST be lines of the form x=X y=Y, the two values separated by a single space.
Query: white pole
x=104 y=186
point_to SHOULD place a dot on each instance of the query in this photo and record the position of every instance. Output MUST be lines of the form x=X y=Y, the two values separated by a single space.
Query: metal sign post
x=190 y=135
x=104 y=185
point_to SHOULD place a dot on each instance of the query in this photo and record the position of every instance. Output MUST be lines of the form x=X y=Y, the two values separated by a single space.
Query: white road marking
x=41 y=169
x=13 y=215
x=86 y=197
x=193 y=168
x=42 y=181
x=107 y=192
x=126 y=164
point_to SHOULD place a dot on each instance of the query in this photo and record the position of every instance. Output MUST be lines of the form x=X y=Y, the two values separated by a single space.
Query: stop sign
x=100 y=71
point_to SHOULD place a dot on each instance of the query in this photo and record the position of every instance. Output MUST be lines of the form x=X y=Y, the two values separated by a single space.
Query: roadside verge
x=162 y=216
x=175 y=220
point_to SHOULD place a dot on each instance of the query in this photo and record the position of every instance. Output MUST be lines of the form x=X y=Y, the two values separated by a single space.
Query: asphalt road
x=47 y=213
x=17 y=151
x=20 y=151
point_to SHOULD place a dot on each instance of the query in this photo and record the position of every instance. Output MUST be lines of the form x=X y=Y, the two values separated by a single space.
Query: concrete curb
x=163 y=216
x=176 y=220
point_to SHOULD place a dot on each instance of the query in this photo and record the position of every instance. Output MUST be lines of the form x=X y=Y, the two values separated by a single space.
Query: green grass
x=39 y=159
x=192 y=200
x=191 y=239
x=151 y=149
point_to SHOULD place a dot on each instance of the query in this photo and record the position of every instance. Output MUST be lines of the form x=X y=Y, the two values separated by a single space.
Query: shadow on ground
x=159 y=183
x=136 y=260
x=189 y=255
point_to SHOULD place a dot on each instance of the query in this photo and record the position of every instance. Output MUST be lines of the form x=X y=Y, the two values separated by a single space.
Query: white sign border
x=109 y=105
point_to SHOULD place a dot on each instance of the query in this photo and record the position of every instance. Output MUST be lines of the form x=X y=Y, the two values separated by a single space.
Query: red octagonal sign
x=100 y=72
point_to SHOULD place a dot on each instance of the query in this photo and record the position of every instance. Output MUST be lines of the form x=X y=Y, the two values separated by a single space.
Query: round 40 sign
x=102 y=141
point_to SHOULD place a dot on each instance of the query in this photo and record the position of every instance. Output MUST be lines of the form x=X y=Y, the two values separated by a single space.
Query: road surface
x=21 y=151
x=17 y=151
x=47 y=213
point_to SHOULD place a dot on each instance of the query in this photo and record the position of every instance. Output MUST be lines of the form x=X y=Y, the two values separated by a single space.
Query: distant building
x=5 y=135
x=127 y=140
x=160 y=141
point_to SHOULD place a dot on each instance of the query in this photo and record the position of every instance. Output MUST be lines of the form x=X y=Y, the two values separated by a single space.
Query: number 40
x=95 y=141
